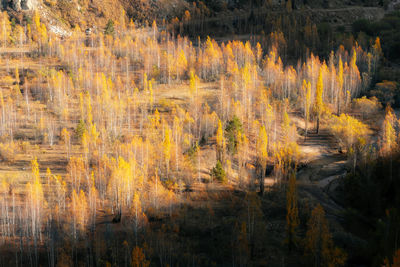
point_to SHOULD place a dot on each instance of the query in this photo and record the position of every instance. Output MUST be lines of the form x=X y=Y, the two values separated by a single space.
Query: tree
x=318 y=242
x=232 y=130
x=388 y=139
x=167 y=147
x=243 y=244
x=17 y=80
x=139 y=258
x=339 y=94
x=262 y=156
x=79 y=212
x=109 y=30
x=5 y=28
x=37 y=204
x=318 y=102
x=220 y=142
x=80 y=129
x=292 y=216
x=138 y=214
x=306 y=89
x=348 y=130
x=218 y=172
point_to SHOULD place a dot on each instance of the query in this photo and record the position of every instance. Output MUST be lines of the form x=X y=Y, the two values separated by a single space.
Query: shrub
x=367 y=107
x=218 y=172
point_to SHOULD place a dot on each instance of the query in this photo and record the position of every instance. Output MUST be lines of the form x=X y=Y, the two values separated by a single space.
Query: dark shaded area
x=388 y=29
x=372 y=195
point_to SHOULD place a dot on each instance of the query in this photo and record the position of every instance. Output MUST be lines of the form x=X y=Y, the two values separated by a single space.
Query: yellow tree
x=340 y=86
x=220 y=142
x=5 y=28
x=167 y=147
x=138 y=214
x=388 y=139
x=306 y=90
x=318 y=102
x=66 y=139
x=181 y=64
x=36 y=201
x=262 y=156
x=318 y=242
x=348 y=130
x=243 y=144
x=351 y=133
x=79 y=212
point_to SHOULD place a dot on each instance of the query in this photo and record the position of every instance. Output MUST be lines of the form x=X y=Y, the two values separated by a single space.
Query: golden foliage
x=348 y=130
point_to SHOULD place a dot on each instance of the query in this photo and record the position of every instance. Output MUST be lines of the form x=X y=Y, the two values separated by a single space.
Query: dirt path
x=324 y=165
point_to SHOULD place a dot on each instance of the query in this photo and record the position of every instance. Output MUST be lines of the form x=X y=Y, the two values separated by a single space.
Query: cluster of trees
x=133 y=154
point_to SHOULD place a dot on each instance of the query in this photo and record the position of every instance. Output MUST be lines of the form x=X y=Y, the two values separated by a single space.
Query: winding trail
x=323 y=166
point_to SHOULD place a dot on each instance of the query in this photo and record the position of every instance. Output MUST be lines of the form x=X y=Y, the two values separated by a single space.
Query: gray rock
x=19 y=5
x=16 y=5
x=29 y=4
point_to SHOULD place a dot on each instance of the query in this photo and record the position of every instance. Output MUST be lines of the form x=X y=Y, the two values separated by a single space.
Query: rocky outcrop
x=19 y=5
x=16 y=5
x=29 y=4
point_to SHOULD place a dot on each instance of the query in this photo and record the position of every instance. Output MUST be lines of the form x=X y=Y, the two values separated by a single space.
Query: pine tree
x=219 y=173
